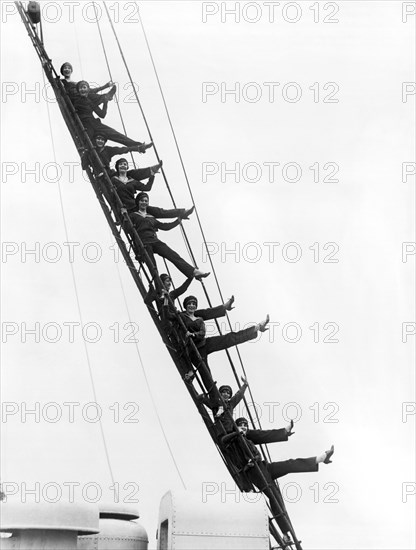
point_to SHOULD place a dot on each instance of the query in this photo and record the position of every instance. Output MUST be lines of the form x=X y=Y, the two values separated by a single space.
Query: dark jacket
x=225 y=417
x=231 y=437
x=168 y=310
x=85 y=106
x=127 y=191
x=197 y=326
x=147 y=227
x=251 y=439
x=71 y=89
x=108 y=152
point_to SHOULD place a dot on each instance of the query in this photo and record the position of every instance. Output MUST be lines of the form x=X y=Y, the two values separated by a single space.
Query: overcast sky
x=304 y=183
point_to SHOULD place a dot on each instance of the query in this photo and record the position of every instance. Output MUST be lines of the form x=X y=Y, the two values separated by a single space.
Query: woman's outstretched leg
x=114 y=135
x=217 y=343
x=163 y=250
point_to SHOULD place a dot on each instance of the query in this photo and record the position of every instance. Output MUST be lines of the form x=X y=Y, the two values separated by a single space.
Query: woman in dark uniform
x=71 y=85
x=147 y=225
x=86 y=105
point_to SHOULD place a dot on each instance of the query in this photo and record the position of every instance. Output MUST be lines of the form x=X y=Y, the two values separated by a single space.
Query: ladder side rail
x=278 y=503
x=66 y=104
x=79 y=135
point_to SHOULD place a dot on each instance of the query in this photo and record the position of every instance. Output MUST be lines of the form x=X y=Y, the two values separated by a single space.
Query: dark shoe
x=144 y=146
x=109 y=95
x=328 y=455
x=263 y=324
x=229 y=303
x=187 y=213
x=155 y=169
x=199 y=275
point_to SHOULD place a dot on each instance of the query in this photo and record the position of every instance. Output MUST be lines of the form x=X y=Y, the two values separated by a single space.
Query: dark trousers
x=165 y=213
x=296 y=465
x=139 y=174
x=93 y=127
x=218 y=343
x=225 y=341
x=162 y=249
x=243 y=449
x=157 y=212
x=274 y=470
x=262 y=437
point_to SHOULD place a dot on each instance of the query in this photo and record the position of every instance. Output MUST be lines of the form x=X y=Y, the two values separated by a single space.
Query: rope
x=94 y=392
x=164 y=175
x=121 y=282
x=76 y=291
x=173 y=200
x=198 y=220
x=192 y=198
x=188 y=246
x=78 y=51
x=147 y=382
x=97 y=19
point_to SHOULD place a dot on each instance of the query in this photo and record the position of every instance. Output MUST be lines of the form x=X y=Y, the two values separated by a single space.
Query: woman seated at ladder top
x=71 y=85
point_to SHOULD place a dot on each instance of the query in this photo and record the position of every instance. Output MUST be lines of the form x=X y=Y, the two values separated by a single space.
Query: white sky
x=365 y=377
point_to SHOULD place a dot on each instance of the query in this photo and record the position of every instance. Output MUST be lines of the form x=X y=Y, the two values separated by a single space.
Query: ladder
x=142 y=270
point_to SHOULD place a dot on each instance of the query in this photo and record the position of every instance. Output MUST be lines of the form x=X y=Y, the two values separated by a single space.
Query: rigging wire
x=162 y=170
x=147 y=382
x=74 y=282
x=196 y=210
x=188 y=246
x=94 y=392
x=173 y=200
x=78 y=51
x=121 y=282
x=97 y=19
